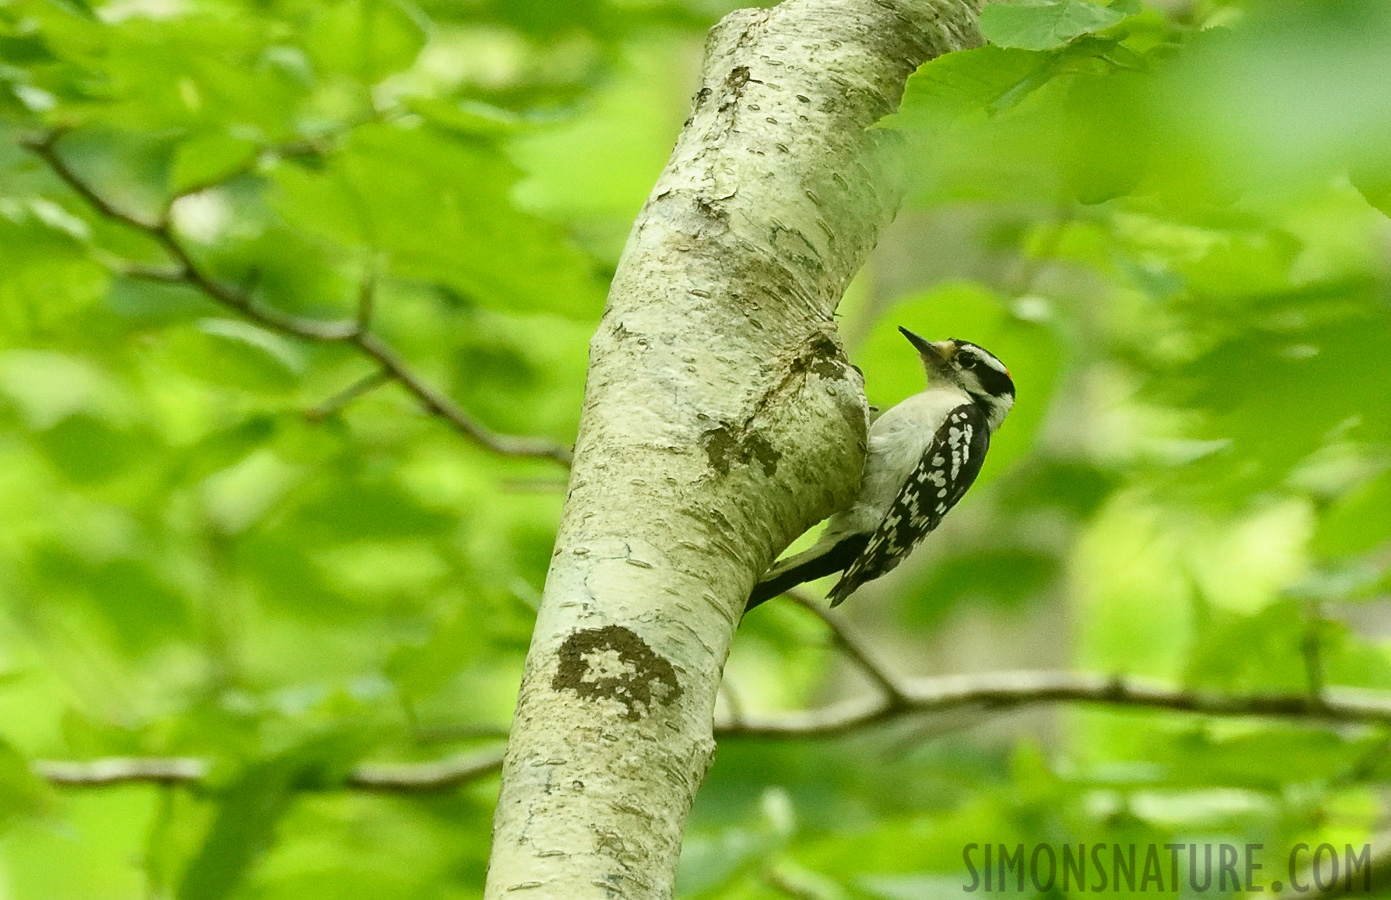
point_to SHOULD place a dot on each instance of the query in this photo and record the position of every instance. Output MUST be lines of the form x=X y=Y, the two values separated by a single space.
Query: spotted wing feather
x=947 y=469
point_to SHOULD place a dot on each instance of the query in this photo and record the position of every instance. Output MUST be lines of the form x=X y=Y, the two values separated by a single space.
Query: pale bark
x=721 y=419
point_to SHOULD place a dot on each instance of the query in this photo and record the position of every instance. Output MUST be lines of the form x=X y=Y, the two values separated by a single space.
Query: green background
x=1169 y=220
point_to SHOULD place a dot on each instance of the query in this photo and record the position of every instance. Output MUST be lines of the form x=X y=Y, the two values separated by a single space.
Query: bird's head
x=970 y=367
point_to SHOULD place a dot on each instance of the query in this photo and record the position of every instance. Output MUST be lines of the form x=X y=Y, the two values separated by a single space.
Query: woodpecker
x=923 y=455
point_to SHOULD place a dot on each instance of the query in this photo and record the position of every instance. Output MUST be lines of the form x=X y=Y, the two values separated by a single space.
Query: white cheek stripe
x=988 y=358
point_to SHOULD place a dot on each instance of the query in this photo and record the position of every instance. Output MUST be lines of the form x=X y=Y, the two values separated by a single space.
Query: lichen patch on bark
x=613 y=663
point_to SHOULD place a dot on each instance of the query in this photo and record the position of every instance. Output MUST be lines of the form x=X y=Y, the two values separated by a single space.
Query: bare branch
x=43 y=147
x=295 y=326
x=157 y=274
x=437 y=775
x=353 y=331
x=1014 y=690
x=117 y=770
x=445 y=408
x=404 y=778
x=995 y=692
x=851 y=646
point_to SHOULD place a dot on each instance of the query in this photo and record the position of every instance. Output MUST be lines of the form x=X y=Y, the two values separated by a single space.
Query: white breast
x=897 y=441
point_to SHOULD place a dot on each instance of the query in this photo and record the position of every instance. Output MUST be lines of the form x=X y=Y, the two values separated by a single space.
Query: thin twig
x=995 y=692
x=367 y=298
x=43 y=148
x=733 y=702
x=858 y=653
x=1311 y=649
x=533 y=485
x=344 y=331
x=335 y=404
x=440 y=734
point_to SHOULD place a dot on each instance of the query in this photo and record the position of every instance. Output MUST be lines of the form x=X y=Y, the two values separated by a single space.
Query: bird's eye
x=966 y=362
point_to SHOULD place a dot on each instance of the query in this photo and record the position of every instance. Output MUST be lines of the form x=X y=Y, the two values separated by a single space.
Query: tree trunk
x=720 y=421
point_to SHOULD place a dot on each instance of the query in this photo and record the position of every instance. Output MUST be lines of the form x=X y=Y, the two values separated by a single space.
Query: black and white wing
x=947 y=468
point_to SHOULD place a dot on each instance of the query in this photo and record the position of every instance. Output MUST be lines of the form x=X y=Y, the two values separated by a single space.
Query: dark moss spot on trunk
x=763 y=452
x=727 y=448
x=613 y=663
x=735 y=81
x=721 y=447
x=823 y=358
x=826 y=358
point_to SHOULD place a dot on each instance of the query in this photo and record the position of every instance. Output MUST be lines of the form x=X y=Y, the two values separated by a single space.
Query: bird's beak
x=936 y=353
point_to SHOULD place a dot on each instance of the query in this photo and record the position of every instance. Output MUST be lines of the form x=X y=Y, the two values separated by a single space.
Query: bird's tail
x=818 y=562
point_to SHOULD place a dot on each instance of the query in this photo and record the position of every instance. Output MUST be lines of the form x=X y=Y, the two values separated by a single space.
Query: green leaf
x=912 y=887
x=1374 y=183
x=359 y=510
x=287 y=579
x=291 y=270
x=1016 y=576
x=1236 y=651
x=236 y=354
x=467 y=118
x=1263 y=756
x=419 y=669
x=24 y=49
x=438 y=209
x=367 y=39
x=89 y=450
x=142 y=608
x=1278 y=395
x=47 y=387
x=1073 y=485
x=1108 y=142
x=237 y=497
x=224 y=447
x=209 y=158
x=252 y=806
x=1044 y=24
x=955 y=84
x=46 y=275
x=207 y=71
x=1357 y=522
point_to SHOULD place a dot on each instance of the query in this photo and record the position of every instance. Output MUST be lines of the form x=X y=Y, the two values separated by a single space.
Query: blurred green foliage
x=1170 y=220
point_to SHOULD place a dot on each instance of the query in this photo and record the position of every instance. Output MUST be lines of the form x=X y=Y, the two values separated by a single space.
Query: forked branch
x=355 y=332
